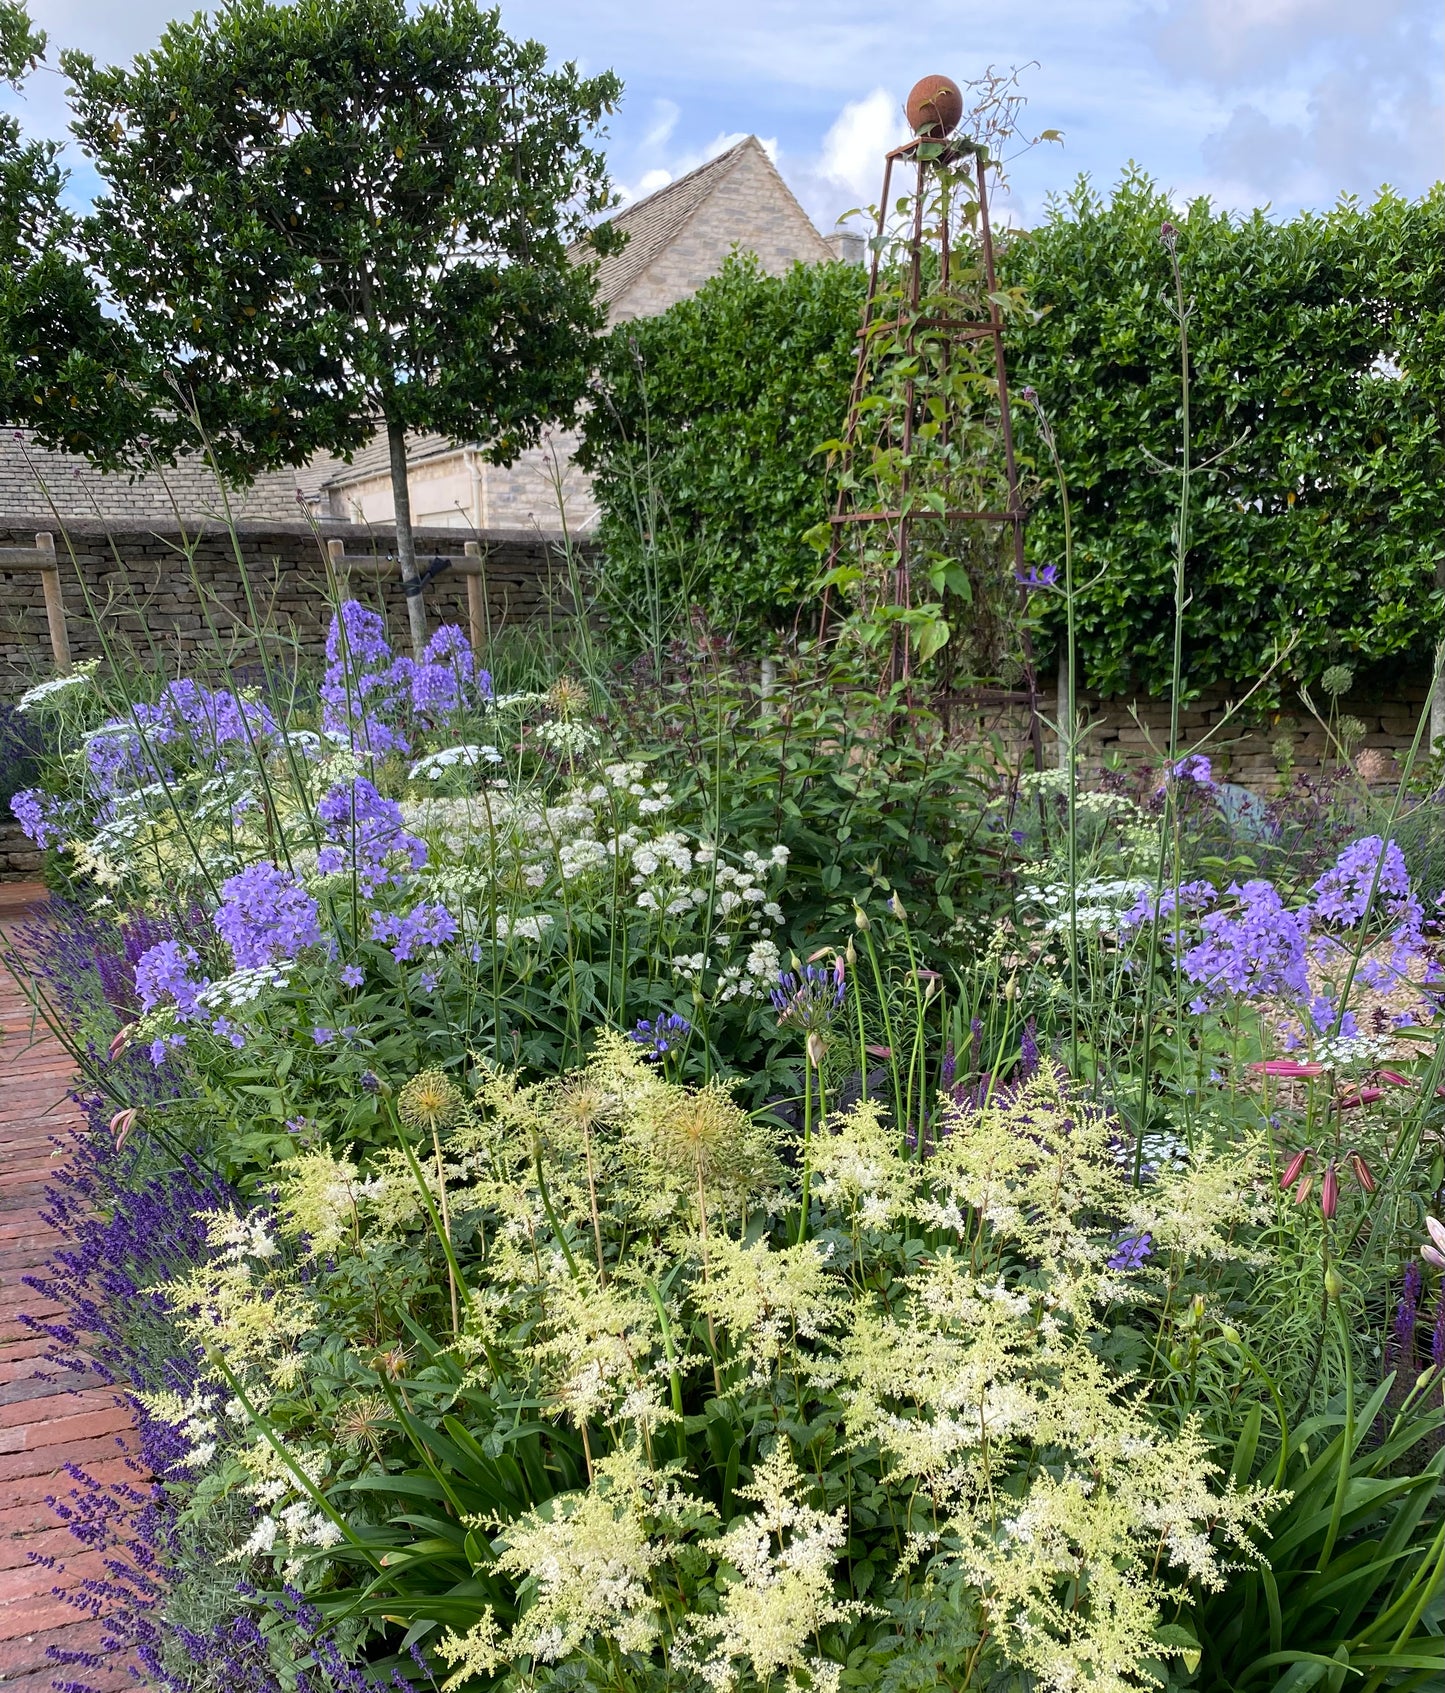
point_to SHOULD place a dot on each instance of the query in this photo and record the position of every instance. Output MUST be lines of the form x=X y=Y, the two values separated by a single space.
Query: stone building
x=39 y=487
x=677 y=239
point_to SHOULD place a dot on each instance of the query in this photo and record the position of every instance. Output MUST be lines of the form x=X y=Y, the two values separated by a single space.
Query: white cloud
x=665 y=114
x=853 y=149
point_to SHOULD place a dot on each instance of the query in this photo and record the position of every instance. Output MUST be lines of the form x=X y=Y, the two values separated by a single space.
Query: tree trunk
x=405 y=546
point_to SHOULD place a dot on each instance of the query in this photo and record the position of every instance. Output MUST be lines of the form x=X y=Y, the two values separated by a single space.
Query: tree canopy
x=63 y=364
x=329 y=216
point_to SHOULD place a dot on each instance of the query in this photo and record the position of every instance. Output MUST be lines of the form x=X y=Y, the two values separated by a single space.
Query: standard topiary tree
x=63 y=363
x=336 y=215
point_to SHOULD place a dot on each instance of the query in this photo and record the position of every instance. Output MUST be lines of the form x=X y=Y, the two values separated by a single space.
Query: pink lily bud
x=1287 y=1067
x=1363 y=1174
x=1303 y=1191
x=1292 y=1169
x=1433 y=1251
x=118 y=1043
x=121 y=1124
x=1394 y=1078
x=1366 y=1096
x=1329 y=1192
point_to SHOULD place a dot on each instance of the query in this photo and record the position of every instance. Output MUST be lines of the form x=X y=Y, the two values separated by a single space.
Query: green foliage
x=1351 y=1594
x=320 y=214
x=1317 y=417
x=61 y=360
x=709 y=433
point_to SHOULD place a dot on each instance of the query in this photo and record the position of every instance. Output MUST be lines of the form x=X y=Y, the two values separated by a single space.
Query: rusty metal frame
x=949 y=329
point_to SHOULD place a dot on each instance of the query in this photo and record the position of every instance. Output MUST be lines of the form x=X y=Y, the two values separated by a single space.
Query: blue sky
x=1285 y=102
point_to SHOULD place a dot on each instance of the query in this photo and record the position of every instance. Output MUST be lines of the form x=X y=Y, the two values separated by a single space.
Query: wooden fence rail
x=42 y=557
x=471 y=566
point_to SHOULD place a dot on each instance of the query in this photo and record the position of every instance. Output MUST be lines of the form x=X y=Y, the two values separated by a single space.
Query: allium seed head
x=429 y=1101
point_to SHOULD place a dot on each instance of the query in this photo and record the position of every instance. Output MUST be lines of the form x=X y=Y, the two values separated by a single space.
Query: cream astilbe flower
x=943 y=1386
x=481 y=1651
x=319 y=1196
x=783 y=1595
x=767 y=1300
x=1199 y=1210
x=584 y=1562
x=1032 y=1165
x=233 y=1306
x=1076 y=1582
x=857 y=1168
x=599 y=1351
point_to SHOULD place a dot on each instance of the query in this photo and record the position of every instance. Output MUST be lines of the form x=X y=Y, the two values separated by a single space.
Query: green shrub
x=707 y=443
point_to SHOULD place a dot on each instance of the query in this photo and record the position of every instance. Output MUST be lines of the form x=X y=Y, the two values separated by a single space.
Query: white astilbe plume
x=783 y=1595
x=856 y=1167
x=767 y=1300
x=584 y=1565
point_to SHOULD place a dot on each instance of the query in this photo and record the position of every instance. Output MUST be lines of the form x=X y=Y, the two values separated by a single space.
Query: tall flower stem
x=1068 y=720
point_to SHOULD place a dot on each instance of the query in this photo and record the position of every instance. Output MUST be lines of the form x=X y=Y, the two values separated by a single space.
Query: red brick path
x=46 y=1420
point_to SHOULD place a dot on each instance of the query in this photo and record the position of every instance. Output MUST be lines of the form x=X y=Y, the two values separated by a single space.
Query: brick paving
x=47 y=1419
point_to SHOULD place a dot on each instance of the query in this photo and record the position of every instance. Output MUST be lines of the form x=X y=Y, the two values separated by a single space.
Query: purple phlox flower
x=1343 y=892
x=37 y=813
x=1036 y=576
x=159 y=1049
x=423 y=926
x=1323 y=1014
x=357 y=636
x=1130 y=1251
x=659 y=1037
x=162 y=973
x=365 y=830
x=352 y=975
x=1189 y=896
x=266 y=915
x=365 y=691
x=1255 y=949
x=202 y=722
x=810 y=998
x=442 y=684
x=1195 y=768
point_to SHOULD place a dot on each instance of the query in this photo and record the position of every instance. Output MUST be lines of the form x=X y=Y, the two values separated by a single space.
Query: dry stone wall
x=167 y=593
x=1250 y=747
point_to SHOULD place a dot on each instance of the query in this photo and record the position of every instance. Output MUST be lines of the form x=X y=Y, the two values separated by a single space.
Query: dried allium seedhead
x=429 y=1101
x=567 y=699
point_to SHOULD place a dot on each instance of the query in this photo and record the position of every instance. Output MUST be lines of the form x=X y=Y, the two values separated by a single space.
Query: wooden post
x=336 y=552
x=476 y=604
x=54 y=602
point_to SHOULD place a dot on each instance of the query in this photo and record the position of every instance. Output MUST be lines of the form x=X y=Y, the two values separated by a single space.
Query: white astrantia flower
x=523 y=928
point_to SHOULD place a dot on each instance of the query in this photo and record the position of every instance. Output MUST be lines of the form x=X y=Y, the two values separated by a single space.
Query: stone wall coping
x=368 y=537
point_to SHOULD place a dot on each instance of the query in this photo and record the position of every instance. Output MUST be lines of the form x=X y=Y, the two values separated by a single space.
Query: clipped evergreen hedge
x=1318 y=361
